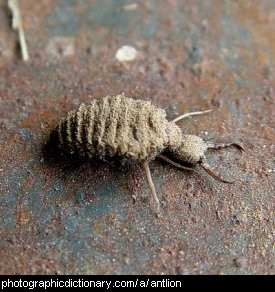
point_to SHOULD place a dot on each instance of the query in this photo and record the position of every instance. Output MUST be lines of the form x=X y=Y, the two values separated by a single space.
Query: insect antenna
x=209 y=170
x=190 y=114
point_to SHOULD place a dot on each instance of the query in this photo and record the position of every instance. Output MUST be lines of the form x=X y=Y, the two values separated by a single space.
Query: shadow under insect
x=61 y=159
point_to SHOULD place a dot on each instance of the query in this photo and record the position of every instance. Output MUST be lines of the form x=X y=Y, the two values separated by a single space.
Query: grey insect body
x=117 y=126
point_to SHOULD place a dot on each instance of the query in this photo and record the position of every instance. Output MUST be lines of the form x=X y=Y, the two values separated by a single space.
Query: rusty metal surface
x=60 y=217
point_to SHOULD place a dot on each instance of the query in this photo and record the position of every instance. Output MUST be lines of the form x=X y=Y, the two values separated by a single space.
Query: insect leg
x=211 y=145
x=151 y=184
x=176 y=164
x=190 y=114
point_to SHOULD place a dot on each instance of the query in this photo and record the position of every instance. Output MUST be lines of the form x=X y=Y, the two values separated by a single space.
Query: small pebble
x=126 y=54
x=130 y=7
x=126 y=260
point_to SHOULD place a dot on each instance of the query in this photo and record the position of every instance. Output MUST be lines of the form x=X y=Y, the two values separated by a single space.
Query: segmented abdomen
x=114 y=126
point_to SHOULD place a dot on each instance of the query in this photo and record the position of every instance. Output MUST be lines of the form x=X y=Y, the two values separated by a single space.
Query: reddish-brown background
x=58 y=217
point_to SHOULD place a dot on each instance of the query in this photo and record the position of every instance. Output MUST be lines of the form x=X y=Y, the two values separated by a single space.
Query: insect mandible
x=118 y=126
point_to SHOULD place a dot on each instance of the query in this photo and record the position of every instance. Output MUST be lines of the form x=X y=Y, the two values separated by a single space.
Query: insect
x=118 y=126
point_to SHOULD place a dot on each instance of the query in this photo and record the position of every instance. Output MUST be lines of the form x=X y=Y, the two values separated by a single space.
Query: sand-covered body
x=132 y=129
x=117 y=126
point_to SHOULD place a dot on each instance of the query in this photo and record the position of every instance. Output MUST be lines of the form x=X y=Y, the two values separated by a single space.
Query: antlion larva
x=118 y=126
